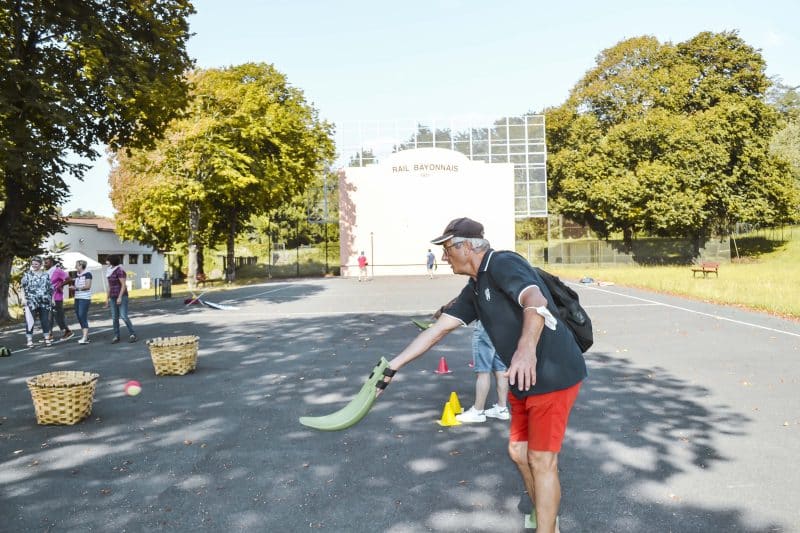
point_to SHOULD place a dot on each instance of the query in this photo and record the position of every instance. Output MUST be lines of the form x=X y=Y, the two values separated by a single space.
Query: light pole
x=371 y=255
x=325 y=217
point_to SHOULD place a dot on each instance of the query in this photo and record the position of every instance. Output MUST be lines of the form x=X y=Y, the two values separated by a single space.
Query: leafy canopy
x=249 y=143
x=671 y=140
x=77 y=74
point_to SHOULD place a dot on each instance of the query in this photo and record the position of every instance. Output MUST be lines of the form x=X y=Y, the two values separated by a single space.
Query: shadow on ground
x=221 y=449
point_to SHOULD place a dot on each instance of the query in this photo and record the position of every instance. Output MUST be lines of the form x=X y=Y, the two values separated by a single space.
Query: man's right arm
x=522 y=370
x=423 y=342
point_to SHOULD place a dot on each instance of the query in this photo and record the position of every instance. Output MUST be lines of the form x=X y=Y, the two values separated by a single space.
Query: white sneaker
x=471 y=416
x=498 y=412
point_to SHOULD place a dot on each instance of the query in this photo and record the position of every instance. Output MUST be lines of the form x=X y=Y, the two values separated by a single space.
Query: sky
x=358 y=60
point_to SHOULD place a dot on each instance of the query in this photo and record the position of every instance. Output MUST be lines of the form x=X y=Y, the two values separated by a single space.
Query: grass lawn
x=768 y=280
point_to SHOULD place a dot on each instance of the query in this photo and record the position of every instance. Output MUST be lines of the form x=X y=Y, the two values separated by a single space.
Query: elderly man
x=545 y=365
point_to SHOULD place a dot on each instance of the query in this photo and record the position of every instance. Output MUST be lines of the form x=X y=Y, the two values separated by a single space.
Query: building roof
x=102 y=224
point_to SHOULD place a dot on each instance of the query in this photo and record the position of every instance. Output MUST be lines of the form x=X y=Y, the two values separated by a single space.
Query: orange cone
x=455 y=404
x=448 y=417
x=442 y=367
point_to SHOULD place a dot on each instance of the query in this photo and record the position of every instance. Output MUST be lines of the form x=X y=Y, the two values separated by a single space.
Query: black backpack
x=570 y=310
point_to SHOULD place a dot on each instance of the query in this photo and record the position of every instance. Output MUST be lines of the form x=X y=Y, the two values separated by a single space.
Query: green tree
x=82 y=213
x=786 y=145
x=670 y=140
x=785 y=99
x=362 y=158
x=249 y=143
x=77 y=74
x=786 y=142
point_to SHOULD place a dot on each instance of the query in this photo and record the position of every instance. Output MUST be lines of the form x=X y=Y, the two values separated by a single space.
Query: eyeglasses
x=445 y=248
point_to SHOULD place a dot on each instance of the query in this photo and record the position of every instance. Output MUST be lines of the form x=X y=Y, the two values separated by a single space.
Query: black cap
x=461 y=227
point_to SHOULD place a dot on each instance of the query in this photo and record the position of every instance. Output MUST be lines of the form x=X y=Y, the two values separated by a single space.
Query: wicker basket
x=174 y=356
x=63 y=397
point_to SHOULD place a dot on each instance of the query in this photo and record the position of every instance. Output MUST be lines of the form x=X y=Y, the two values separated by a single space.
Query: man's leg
x=61 y=319
x=56 y=318
x=502 y=388
x=482 y=353
x=538 y=424
x=539 y=472
x=547 y=486
x=518 y=451
x=482 y=384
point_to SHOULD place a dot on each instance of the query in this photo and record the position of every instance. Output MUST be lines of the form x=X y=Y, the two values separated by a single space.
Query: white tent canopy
x=68 y=259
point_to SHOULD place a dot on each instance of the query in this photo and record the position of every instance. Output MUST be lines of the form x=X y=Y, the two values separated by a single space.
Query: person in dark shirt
x=117 y=298
x=545 y=364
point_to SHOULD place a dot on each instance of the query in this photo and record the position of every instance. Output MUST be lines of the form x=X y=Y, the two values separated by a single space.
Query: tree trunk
x=5 y=284
x=201 y=259
x=697 y=242
x=10 y=218
x=230 y=272
x=194 y=227
x=627 y=239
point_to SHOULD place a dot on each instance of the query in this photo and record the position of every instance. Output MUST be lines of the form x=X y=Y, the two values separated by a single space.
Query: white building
x=391 y=210
x=95 y=238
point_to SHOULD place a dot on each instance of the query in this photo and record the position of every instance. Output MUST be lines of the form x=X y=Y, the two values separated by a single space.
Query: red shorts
x=541 y=419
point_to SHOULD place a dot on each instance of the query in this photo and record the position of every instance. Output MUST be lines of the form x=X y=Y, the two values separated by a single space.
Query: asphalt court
x=688 y=422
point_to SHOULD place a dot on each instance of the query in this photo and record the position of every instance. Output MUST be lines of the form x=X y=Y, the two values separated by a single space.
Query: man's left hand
x=522 y=371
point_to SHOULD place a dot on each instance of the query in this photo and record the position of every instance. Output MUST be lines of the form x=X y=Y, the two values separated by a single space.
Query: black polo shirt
x=494 y=299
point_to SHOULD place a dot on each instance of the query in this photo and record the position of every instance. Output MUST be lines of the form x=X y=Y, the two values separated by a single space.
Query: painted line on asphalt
x=693 y=311
x=619 y=305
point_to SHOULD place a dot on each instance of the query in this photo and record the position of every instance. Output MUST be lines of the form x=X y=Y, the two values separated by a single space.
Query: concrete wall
x=391 y=211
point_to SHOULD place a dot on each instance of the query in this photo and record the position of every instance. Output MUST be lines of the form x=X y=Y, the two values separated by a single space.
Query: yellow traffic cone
x=455 y=404
x=448 y=417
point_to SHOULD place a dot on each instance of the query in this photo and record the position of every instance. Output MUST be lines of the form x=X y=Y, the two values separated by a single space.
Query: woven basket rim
x=79 y=378
x=179 y=340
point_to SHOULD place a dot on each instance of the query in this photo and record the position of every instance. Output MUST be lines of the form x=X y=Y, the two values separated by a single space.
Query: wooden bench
x=202 y=279
x=706 y=267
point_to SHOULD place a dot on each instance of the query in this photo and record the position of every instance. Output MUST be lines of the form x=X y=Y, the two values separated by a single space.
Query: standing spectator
x=431 y=263
x=83 y=298
x=58 y=278
x=487 y=362
x=37 y=291
x=118 y=298
x=362 y=267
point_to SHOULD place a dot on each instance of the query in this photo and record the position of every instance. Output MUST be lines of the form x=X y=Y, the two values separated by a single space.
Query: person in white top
x=83 y=298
